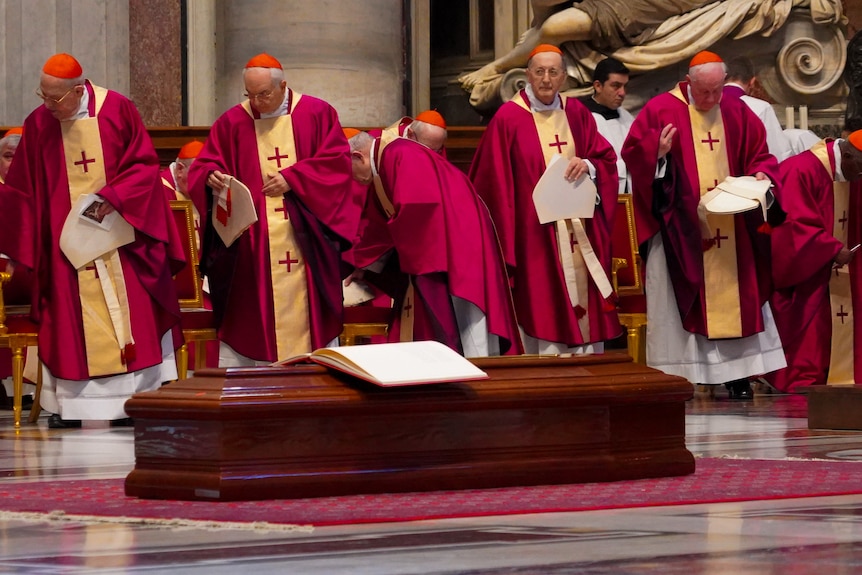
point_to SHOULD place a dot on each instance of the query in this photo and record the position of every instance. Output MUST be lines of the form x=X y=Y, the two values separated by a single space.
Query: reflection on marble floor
x=792 y=536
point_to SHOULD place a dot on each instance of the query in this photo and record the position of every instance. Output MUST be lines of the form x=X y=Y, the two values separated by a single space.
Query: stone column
x=346 y=52
x=96 y=33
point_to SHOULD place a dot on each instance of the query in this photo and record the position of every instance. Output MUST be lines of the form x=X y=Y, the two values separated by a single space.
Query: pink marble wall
x=155 y=55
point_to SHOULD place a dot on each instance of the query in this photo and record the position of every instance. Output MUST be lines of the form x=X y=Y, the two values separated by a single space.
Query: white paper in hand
x=735 y=195
x=557 y=199
x=233 y=212
x=85 y=236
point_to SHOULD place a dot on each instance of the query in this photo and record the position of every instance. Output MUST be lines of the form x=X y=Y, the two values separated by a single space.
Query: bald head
x=429 y=135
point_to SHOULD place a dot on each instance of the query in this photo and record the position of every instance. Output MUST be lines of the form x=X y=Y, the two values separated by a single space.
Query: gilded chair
x=627 y=278
x=17 y=332
x=364 y=321
x=196 y=321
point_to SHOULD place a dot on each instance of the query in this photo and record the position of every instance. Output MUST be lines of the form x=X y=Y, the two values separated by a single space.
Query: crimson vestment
x=320 y=205
x=822 y=217
x=711 y=283
x=442 y=237
x=508 y=163
x=36 y=202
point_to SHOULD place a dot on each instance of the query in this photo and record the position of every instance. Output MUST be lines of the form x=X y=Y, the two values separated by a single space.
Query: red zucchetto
x=263 y=60
x=63 y=66
x=546 y=48
x=704 y=57
x=432 y=117
x=190 y=150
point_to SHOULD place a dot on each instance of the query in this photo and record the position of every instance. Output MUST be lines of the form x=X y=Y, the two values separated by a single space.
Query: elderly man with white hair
x=707 y=274
x=276 y=291
x=8 y=145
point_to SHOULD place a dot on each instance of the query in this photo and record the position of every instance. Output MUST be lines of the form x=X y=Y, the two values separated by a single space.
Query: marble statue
x=647 y=35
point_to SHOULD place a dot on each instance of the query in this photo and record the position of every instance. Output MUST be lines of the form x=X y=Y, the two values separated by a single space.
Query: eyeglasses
x=552 y=72
x=55 y=101
x=259 y=96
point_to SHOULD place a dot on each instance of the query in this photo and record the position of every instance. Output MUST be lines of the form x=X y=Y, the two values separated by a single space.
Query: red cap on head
x=856 y=139
x=704 y=57
x=14 y=131
x=432 y=117
x=546 y=48
x=63 y=66
x=190 y=150
x=350 y=132
x=263 y=60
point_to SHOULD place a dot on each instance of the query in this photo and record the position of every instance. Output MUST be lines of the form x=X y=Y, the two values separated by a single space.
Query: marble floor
x=793 y=536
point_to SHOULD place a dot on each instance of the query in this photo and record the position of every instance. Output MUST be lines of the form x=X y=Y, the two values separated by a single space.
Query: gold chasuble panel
x=85 y=169
x=277 y=151
x=555 y=137
x=720 y=270
x=841 y=360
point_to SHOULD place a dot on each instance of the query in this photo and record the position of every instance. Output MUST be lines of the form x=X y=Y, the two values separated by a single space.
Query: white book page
x=407 y=363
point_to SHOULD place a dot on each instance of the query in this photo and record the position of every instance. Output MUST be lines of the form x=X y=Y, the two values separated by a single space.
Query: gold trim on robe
x=577 y=256
x=85 y=169
x=720 y=265
x=841 y=355
x=276 y=151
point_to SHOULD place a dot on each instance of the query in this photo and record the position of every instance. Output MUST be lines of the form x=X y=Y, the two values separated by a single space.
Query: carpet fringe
x=177 y=523
x=745 y=458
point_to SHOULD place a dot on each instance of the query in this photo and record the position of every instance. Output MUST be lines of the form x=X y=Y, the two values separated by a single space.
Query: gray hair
x=695 y=70
x=275 y=74
x=10 y=140
x=360 y=142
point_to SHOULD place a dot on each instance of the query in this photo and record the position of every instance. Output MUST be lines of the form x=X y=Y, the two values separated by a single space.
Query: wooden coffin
x=835 y=407
x=303 y=431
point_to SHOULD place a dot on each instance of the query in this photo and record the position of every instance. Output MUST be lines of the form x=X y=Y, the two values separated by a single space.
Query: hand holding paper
x=234 y=213
x=557 y=199
x=738 y=194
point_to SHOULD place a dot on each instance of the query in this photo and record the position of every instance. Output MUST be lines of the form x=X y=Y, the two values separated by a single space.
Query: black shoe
x=739 y=389
x=57 y=422
x=125 y=422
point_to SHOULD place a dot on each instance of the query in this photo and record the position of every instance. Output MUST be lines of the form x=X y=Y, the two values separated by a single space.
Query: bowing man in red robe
x=816 y=273
x=558 y=271
x=433 y=249
x=104 y=328
x=276 y=291
x=707 y=274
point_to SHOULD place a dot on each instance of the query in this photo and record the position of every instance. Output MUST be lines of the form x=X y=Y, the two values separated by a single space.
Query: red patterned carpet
x=715 y=481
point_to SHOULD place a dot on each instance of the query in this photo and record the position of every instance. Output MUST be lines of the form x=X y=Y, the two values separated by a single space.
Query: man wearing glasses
x=105 y=325
x=276 y=291
x=559 y=271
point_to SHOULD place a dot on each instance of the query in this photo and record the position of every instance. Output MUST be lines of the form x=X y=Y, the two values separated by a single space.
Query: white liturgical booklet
x=557 y=199
x=738 y=194
x=394 y=364
x=86 y=235
x=238 y=208
x=356 y=293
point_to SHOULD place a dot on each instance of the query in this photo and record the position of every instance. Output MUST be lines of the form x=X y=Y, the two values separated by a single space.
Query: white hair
x=10 y=140
x=275 y=74
x=695 y=70
x=360 y=142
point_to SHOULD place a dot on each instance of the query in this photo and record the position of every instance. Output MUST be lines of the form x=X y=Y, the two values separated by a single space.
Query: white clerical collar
x=83 y=107
x=537 y=105
x=281 y=110
x=839 y=175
